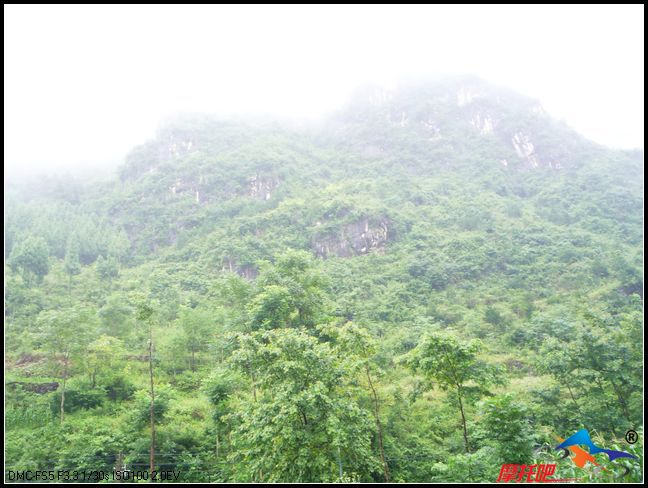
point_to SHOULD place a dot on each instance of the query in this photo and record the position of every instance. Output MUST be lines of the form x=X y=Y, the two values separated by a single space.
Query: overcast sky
x=84 y=84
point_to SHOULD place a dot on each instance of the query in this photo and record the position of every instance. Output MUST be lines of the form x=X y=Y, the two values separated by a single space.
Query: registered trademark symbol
x=631 y=437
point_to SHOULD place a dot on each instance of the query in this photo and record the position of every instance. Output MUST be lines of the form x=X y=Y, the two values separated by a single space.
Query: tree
x=356 y=342
x=492 y=316
x=302 y=427
x=31 y=257
x=107 y=268
x=65 y=334
x=505 y=426
x=197 y=325
x=103 y=356
x=71 y=262
x=219 y=387
x=454 y=366
x=611 y=347
x=561 y=361
x=272 y=308
x=144 y=314
x=606 y=351
x=118 y=245
x=117 y=316
x=291 y=293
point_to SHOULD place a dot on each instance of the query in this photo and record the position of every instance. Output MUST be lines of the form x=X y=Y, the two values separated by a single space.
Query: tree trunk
x=65 y=373
x=622 y=402
x=152 y=407
x=378 y=426
x=610 y=406
x=571 y=394
x=119 y=466
x=63 y=401
x=463 y=419
x=304 y=419
x=253 y=383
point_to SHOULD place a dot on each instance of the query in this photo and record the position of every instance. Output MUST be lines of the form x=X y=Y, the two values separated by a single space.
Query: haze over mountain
x=289 y=273
x=88 y=96
x=428 y=284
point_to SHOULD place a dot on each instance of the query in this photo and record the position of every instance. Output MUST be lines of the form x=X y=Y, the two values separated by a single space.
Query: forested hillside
x=431 y=283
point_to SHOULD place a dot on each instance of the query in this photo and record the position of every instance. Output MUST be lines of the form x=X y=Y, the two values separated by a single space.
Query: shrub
x=77 y=399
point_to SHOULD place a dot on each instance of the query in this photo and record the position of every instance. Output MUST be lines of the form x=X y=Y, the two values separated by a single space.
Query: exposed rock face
x=353 y=239
x=465 y=95
x=441 y=112
x=247 y=271
x=538 y=109
x=378 y=96
x=180 y=187
x=527 y=152
x=432 y=128
x=524 y=149
x=482 y=122
x=178 y=145
x=261 y=187
x=403 y=121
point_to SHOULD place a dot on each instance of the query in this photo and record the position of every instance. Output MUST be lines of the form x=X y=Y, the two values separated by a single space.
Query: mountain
x=447 y=206
x=201 y=172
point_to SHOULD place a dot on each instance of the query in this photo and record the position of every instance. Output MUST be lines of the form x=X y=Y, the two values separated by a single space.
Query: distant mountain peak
x=462 y=111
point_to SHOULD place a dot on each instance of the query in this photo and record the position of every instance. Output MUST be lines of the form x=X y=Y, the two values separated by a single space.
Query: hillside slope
x=451 y=211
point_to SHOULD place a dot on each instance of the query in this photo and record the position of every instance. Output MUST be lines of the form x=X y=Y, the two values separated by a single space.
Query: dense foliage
x=433 y=283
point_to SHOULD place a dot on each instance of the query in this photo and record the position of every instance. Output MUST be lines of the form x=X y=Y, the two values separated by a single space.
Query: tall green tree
x=291 y=293
x=454 y=366
x=197 y=325
x=103 y=357
x=358 y=347
x=107 y=268
x=64 y=335
x=71 y=262
x=505 y=425
x=302 y=427
x=31 y=257
x=144 y=311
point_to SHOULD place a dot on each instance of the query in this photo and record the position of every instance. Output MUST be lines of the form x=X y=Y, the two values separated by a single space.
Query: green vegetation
x=399 y=295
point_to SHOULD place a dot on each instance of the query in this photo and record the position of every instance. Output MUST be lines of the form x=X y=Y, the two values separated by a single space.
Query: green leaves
x=142 y=403
x=449 y=362
x=290 y=293
x=306 y=294
x=273 y=308
x=31 y=257
x=71 y=262
x=67 y=330
x=505 y=425
x=302 y=420
x=455 y=367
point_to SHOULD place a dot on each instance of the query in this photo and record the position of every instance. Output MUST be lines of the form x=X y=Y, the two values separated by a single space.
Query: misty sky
x=84 y=84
